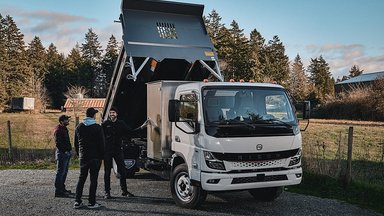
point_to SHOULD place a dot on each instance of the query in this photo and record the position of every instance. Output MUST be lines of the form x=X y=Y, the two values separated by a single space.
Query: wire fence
x=325 y=152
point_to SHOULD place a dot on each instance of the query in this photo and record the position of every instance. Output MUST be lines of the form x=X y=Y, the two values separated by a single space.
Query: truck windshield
x=247 y=111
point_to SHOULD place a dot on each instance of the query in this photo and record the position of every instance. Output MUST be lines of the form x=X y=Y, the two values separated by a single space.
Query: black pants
x=118 y=157
x=93 y=166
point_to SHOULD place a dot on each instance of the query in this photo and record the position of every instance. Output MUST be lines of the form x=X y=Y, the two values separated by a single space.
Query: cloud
x=341 y=58
x=64 y=30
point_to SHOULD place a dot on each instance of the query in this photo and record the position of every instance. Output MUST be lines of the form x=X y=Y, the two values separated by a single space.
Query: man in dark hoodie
x=63 y=155
x=114 y=130
x=89 y=144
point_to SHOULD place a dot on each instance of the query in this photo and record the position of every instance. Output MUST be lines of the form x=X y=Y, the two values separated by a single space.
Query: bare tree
x=41 y=96
x=76 y=95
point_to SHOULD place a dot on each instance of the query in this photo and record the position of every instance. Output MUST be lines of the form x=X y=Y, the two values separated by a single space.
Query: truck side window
x=188 y=107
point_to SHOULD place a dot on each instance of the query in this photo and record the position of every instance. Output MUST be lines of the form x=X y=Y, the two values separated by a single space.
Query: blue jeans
x=62 y=164
x=92 y=166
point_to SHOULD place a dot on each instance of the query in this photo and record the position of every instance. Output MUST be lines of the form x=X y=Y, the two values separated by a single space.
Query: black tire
x=184 y=194
x=266 y=194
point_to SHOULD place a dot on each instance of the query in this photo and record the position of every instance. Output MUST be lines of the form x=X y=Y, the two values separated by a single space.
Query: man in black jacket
x=89 y=144
x=114 y=129
x=63 y=155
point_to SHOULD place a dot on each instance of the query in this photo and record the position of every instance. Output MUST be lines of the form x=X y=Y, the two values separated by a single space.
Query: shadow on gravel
x=142 y=200
x=144 y=212
x=147 y=176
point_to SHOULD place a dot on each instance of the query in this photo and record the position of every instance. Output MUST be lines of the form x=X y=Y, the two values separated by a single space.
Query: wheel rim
x=183 y=187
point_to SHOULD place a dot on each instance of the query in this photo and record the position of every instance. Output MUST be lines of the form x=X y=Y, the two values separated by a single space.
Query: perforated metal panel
x=162 y=29
x=245 y=165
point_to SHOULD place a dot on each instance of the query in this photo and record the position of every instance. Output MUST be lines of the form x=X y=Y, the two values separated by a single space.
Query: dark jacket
x=114 y=133
x=62 y=138
x=89 y=141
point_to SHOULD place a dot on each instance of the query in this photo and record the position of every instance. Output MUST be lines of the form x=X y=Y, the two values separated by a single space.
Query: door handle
x=177 y=139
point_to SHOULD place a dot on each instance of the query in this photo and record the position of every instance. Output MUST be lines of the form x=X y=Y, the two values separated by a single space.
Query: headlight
x=295 y=159
x=212 y=162
x=296 y=130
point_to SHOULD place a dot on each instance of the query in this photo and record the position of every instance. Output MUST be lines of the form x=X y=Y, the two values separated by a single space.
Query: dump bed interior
x=161 y=41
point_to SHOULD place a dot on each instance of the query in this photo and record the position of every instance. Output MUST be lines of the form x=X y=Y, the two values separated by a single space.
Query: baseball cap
x=114 y=109
x=91 y=112
x=64 y=117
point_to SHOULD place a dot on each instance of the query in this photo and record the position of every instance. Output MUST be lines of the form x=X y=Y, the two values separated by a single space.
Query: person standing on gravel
x=62 y=156
x=114 y=129
x=89 y=144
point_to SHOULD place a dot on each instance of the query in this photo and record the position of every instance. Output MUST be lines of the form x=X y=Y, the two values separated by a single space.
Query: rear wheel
x=266 y=194
x=183 y=192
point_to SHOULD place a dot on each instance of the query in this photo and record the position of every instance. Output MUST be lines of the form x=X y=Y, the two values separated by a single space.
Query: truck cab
x=233 y=136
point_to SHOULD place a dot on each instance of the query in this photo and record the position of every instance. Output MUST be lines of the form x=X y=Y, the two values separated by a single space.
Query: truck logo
x=259 y=147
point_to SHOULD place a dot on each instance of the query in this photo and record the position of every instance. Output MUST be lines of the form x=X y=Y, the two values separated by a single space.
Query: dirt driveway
x=31 y=192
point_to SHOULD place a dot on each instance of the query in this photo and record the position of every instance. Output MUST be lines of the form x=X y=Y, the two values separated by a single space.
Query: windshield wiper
x=279 y=121
x=229 y=122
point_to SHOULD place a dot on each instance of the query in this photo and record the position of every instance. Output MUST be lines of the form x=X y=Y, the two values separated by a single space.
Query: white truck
x=203 y=136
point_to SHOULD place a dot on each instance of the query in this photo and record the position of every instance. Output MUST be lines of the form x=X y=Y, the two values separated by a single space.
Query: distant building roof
x=363 y=78
x=86 y=103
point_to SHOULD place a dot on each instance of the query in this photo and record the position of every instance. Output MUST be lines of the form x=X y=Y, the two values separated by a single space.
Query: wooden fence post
x=9 y=138
x=348 y=174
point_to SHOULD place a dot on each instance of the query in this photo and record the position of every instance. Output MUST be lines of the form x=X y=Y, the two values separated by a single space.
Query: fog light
x=298 y=175
x=213 y=181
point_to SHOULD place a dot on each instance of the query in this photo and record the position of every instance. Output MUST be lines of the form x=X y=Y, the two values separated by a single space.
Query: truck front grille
x=257 y=164
x=259 y=178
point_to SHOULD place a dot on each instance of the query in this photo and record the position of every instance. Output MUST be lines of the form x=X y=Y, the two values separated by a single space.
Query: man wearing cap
x=62 y=156
x=89 y=145
x=114 y=130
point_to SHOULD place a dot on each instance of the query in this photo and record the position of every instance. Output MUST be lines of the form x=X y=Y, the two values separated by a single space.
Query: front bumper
x=244 y=181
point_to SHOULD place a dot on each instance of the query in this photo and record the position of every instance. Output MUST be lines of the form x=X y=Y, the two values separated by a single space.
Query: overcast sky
x=344 y=32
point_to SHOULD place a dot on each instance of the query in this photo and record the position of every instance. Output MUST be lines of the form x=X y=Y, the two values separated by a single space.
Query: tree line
x=255 y=58
x=32 y=70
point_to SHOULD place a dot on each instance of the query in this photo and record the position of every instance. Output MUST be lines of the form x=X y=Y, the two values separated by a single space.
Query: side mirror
x=174 y=110
x=306 y=109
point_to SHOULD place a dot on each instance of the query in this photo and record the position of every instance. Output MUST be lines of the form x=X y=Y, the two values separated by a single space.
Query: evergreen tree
x=355 y=71
x=55 y=78
x=298 y=82
x=3 y=61
x=108 y=62
x=221 y=39
x=17 y=72
x=37 y=60
x=91 y=72
x=275 y=62
x=320 y=76
x=75 y=63
x=256 y=43
x=214 y=26
x=238 y=57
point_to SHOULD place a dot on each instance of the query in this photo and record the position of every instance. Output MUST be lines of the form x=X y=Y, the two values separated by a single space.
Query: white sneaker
x=93 y=206
x=78 y=205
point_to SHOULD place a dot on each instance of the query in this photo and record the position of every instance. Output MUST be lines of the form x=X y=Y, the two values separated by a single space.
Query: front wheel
x=183 y=192
x=266 y=194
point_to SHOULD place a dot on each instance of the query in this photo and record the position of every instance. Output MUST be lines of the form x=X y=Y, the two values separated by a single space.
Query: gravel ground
x=31 y=192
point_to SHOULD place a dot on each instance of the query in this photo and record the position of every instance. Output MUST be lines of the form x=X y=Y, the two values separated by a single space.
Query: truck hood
x=248 y=144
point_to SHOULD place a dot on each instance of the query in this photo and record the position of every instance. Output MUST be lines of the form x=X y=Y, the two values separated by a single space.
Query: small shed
x=363 y=80
x=84 y=103
x=23 y=103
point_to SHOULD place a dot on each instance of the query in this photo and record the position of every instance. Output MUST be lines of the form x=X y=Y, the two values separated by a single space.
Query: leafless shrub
x=76 y=94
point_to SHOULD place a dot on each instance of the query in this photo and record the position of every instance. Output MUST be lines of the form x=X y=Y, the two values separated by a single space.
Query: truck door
x=185 y=138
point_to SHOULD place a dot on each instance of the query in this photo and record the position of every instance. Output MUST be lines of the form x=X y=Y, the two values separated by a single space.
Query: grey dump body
x=161 y=41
